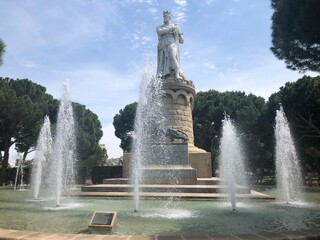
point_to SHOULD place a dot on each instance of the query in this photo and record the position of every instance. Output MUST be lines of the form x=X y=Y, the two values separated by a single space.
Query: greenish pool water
x=17 y=211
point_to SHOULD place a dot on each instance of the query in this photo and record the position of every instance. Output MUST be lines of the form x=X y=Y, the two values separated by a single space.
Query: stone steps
x=163 y=188
x=206 y=188
x=200 y=181
x=174 y=195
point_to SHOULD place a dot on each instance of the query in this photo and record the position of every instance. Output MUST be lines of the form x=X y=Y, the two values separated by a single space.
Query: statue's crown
x=166 y=13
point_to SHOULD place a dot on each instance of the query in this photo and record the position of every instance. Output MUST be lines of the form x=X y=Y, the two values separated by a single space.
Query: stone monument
x=187 y=160
x=166 y=164
x=180 y=93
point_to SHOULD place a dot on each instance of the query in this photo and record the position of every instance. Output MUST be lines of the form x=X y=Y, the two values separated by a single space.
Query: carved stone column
x=178 y=105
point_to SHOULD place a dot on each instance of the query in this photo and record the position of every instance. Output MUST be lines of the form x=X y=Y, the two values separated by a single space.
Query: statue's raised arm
x=170 y=37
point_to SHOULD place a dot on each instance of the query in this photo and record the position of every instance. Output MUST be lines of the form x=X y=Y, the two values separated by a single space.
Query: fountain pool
x=156 y=216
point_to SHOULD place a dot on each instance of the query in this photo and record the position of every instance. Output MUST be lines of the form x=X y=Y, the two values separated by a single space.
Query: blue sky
x=99 y=45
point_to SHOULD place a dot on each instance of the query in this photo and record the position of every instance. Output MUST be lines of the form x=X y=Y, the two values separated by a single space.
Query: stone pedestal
x=177 y=162
x=178 y=105
x=166 y=163
x=170 y=175
x=197 y=162
x=201 y=161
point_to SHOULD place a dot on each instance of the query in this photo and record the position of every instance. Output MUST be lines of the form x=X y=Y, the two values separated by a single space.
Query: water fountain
x=149 y=128
x=188 y=164
x=140 y=134
x=20 y=173
x=55 y=156
x=288 y=171
x=63 y=154
x=42 y=157
x=165 y=163
x=232 y=170
x=187 y=217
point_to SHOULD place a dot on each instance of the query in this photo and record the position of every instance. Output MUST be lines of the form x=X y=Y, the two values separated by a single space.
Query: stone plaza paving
x=23 y=235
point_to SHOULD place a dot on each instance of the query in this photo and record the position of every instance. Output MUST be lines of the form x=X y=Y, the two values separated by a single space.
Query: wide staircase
x=206 y=188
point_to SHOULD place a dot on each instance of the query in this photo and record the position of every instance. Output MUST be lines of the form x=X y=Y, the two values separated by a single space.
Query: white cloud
x=138 y=40
x=185 y=55
x=180 y=15
x=230 y=12
x=29 y=64
x=181 y=3
x=179 y=12
x=209 y=2
x=140 y=1
x=37 y=26
x=262 y=80
x=153 y=10
x=209 y=65
x=145 y=40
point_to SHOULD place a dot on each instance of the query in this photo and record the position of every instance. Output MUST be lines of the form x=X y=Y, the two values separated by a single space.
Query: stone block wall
x=178 y=104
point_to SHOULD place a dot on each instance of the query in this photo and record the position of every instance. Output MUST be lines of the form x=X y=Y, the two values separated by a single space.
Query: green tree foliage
x=301 y=103
x=27 y=145
x=88 y=134
x=2 y=51
x=255 y=121
x=123 y=123
x=209 y=109
x=296 y=33
x=247 y=111
x=23 y=107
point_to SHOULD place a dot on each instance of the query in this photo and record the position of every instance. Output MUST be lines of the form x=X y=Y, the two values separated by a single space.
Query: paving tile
x=61 y=236
x=108 y=237
x=142 y=238
x=272 y=235
x=299 y=235
x=295 y=234
x=223 y=237
x=16 y=234
x=177 y=237
x=37 y=235
x=6 y=231
x=312 y=232
x=249 y=236
x=88 y=236
x=197 y=237
x=111 y=237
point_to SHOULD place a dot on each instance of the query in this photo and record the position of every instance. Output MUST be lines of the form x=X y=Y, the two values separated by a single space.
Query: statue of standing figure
x=170 y=37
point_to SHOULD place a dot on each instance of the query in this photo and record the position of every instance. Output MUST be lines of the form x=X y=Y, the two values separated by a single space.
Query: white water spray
x=288 y=171
x=149 y=122
x=42 y=157
x=231 y=160
x=64 y=146
x=19 y=172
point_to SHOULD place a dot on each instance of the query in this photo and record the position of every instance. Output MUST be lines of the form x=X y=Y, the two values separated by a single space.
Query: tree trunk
x=310 y=124
x=25 y=153
x=5 y=161
x=7 y=144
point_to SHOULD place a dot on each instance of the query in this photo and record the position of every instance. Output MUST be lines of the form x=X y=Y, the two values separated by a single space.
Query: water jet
x=232 y=170
x=288 y=171
x=55 y=155
x=42 y=157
